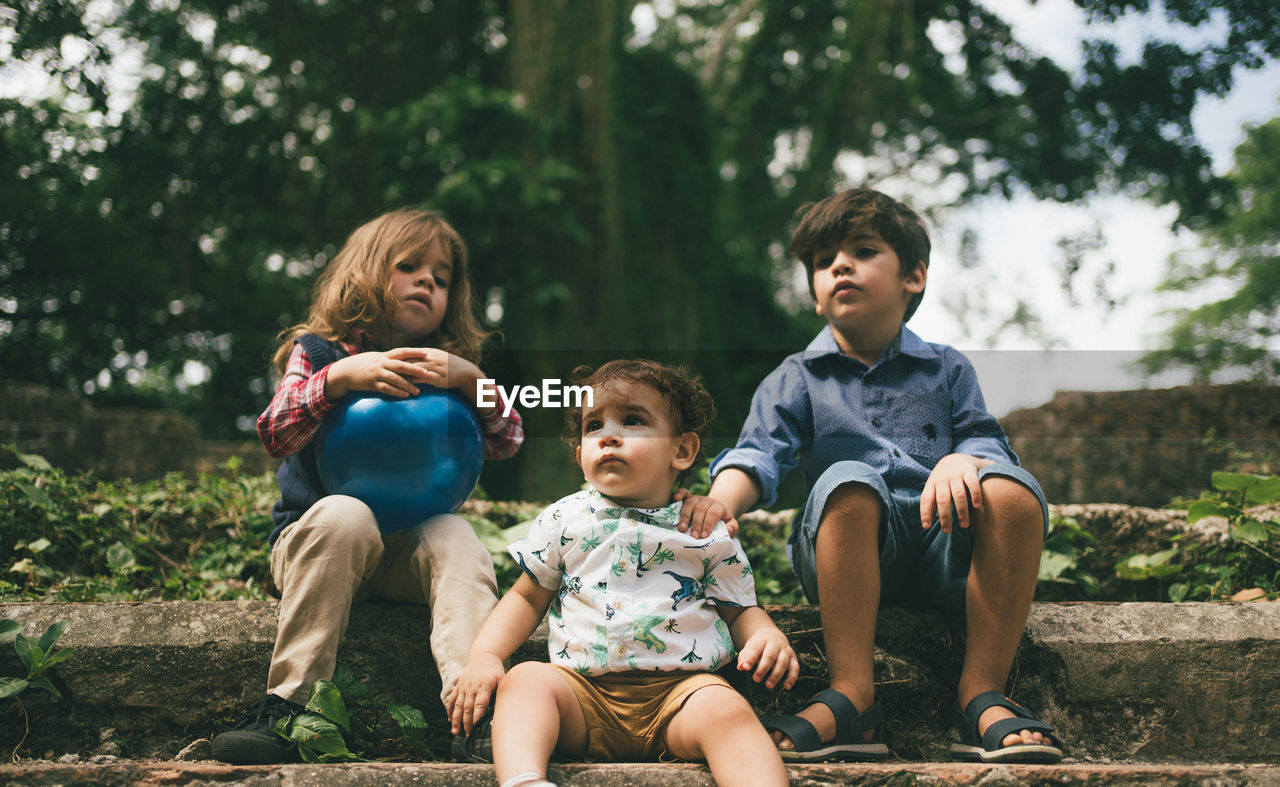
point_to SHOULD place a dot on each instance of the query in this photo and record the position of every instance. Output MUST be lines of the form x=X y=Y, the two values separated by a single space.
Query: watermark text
x=550 y=394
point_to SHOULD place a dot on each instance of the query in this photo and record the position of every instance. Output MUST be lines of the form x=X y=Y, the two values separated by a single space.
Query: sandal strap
x=967 y=720
x=993 y=738
x=850 y=725
x=804 y=736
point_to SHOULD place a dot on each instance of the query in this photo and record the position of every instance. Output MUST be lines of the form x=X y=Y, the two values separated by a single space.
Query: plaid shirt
x=299 y=406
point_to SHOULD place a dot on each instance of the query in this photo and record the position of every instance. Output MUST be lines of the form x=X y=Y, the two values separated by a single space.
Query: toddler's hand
x=475 y=692
x=770 y=658
x=699 y=515
x=393 y=373
x=953 y=482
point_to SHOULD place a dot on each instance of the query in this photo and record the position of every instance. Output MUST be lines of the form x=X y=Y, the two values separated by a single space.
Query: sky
x=1093 y=346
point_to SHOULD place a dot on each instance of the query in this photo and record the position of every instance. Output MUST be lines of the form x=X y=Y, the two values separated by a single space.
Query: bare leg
x=716 y=724
x=536 y=711
x=1008 y=534
x=848 y=566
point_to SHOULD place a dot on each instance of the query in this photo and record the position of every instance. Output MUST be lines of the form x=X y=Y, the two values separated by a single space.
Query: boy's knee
x=448 y=542
x=341 y=521
x=852 y=503
x=1006 y=494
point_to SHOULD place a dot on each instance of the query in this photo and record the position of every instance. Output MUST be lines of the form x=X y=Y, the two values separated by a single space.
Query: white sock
x=528 y=779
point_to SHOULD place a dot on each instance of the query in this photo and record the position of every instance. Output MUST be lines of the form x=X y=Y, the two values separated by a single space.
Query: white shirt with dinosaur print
x=634 y=592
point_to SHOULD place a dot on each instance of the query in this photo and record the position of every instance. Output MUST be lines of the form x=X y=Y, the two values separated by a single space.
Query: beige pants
x=335 y=554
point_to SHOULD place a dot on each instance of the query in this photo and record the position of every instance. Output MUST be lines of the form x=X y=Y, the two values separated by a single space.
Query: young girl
x=392 y=310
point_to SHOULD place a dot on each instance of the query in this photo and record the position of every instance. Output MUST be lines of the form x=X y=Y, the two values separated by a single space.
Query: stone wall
x=1135 y=447
x=1146 y=447
x=111 y=442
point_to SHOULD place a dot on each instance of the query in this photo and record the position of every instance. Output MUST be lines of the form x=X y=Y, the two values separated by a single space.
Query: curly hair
x=689 y=406
x=831 y=221
x=354 y=291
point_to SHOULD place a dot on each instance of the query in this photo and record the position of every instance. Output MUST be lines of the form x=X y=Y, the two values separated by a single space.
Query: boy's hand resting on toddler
x=474 y=693
x=954 y=481
x=699 y=515
x=769 y=657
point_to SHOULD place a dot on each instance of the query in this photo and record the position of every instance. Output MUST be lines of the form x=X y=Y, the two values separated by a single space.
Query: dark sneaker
x=478 y=746
x=252 y=740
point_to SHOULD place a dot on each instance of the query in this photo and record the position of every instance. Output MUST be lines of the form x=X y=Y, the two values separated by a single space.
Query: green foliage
x=342 y=723
x=589 y=170
x=37 y=656
x=1061 y=578
x=76 y=539
x=1242 y=251
x=1249 y=558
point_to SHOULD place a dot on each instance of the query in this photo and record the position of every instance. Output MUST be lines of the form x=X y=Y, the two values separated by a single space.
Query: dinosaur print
x=689 y=588
x=600 y=650
x=642 y=630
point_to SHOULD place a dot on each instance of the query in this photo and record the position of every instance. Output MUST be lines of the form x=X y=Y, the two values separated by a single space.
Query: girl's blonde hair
x=354 y=291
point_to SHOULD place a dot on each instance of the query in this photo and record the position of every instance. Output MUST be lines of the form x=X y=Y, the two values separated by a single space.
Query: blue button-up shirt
x=917 y=404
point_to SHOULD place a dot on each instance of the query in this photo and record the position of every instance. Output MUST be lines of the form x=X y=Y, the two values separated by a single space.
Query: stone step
x=1171 y=683
x=127 y=774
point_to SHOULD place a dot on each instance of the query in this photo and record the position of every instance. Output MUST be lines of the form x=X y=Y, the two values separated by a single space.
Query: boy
x=914 y=492
x=641 y=614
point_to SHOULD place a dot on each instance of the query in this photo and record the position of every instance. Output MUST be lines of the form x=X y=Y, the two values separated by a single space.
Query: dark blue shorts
x=917 y=566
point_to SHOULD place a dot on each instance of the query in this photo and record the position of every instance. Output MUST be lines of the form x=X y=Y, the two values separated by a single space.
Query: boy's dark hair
x=826 y=224
x=688 y=404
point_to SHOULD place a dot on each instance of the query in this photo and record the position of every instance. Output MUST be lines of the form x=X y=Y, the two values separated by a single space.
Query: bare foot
x=824 y=721
x=996 y=713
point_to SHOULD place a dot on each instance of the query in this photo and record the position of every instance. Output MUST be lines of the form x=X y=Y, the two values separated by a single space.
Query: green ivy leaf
x=55 y=658
x=9 y=629
x=50 y=636
x=317 y=736
x=39 y=545
x=11 y=687
x=120 y=556
x=349 y=687
x=1251 y=530
x=1178 y=591
x=326 y=701
x=33 y=461
x=1207 y=508
x=22 y=644
x=33 y=493
x=413 y=725
x=1233 y=482
x=1266 y=490
x=44 y=685
x=1052 y=566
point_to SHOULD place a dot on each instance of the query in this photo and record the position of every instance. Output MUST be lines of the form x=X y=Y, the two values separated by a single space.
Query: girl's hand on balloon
x=446 y=370
x=394 y=373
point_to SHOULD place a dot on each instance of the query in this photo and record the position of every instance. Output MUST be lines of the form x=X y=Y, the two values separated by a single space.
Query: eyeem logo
x=550 y=394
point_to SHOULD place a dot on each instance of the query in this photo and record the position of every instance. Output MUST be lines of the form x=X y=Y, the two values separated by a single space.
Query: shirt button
x=876 y=422
x=621 y=650
x=622 y=564
x=617 y=605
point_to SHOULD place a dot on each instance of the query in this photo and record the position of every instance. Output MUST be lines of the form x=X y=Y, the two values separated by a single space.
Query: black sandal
x=987 y=748
x=850 y=728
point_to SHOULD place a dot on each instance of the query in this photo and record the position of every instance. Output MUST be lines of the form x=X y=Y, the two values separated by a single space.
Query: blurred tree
x=165 y=206
x=1236 y=333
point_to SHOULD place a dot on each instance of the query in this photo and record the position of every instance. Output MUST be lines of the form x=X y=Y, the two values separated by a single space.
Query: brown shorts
x=627 y=713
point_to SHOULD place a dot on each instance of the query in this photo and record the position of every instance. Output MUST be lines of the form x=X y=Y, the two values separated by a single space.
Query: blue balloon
x=407 y=459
